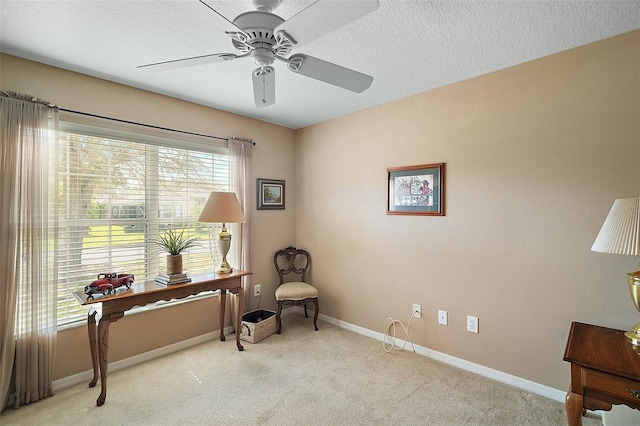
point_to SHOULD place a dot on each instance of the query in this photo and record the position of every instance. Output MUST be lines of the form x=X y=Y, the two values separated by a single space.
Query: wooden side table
x=605 y=370
x=115 y=305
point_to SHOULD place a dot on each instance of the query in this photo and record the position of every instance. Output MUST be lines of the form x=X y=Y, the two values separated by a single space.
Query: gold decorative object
x=620 y=234
x=633 y=278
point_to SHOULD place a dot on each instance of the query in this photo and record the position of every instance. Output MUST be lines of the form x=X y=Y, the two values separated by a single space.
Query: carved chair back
x=292 y=260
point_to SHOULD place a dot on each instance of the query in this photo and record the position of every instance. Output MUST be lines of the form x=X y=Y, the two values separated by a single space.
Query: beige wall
x=273 y=158
x=535 y=156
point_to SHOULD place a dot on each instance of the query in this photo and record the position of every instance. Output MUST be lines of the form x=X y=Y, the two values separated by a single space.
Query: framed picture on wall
x=416 y=190
x=270 y=194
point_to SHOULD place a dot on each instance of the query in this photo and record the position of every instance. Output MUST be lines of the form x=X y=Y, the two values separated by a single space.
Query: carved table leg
x=573 y=406
x=103 y=348
x=223 y=300
x=239 y=317
x=93 y=344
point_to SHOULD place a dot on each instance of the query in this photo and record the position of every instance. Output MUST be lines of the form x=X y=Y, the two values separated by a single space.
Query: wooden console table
x=140 y=294
x=605 y=370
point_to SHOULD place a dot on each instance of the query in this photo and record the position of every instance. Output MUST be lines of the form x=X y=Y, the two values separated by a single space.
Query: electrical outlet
x=256 y=290
x=443 y=317
x=417 y=311
x=472 y=324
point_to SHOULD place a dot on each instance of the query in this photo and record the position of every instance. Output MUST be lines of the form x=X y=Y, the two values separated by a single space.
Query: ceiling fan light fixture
x=262 y=56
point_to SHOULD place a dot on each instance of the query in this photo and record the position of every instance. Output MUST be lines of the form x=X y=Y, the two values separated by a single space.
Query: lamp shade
x=222 y=207
x=620 y=233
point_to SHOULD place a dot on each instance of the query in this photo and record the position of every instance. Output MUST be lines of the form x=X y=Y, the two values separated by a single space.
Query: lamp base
x=633 y=335
x=224 y=267
x=633 y=279
x=224 y=242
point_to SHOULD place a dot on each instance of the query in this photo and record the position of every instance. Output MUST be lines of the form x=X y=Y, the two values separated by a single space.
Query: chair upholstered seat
x=294 y=289
x=297 y=290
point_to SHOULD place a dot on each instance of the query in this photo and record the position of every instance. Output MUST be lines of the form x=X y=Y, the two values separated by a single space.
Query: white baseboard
x=87 y=375
x=528 y=385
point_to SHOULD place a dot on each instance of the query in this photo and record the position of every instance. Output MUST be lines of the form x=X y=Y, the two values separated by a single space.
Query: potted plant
x=174 y=243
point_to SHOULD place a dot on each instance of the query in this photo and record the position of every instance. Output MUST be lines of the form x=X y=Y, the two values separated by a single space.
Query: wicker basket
x=257 y=325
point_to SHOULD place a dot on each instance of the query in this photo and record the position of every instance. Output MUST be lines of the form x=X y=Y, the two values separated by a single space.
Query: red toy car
x=108 y=282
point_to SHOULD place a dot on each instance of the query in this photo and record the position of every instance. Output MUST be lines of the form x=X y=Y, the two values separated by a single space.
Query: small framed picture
x=270 y=194
x=416 y=190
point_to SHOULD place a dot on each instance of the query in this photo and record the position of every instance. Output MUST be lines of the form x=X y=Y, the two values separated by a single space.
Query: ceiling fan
x=265 y=37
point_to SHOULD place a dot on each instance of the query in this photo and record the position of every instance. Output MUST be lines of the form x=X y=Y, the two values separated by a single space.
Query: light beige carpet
x=301 y=377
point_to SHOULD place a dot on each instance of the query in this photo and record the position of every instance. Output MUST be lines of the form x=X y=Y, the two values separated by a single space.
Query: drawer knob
x=634 y=392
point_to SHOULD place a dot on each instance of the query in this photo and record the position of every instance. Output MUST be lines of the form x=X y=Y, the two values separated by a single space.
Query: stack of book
x=166 y=279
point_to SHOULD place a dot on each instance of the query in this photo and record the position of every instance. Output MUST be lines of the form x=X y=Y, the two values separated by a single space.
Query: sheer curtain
x=241 y=152
x=28 y=138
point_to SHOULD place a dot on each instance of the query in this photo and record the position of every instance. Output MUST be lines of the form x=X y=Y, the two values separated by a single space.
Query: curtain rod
x=148 y=125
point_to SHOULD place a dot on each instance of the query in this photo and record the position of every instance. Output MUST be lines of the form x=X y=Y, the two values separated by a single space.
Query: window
x=118 y=191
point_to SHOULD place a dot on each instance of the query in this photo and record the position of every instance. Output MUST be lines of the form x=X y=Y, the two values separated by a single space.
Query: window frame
x=124 y=131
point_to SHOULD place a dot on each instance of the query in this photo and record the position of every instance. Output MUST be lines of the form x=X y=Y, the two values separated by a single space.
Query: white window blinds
x=118 y=191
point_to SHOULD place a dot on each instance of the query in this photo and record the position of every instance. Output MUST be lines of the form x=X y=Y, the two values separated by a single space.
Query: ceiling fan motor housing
x=257 y=28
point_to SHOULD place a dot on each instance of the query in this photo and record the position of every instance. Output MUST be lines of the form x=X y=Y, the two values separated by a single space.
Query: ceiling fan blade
x=322 y=17
x=264 y=86
x=220 y=21
x=329 y=73
x=191 y=61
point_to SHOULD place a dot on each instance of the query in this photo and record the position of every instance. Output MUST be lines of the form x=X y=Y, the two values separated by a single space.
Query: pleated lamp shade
x=620 y=233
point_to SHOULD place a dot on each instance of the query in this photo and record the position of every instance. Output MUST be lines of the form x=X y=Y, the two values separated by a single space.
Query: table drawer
x=625 y=389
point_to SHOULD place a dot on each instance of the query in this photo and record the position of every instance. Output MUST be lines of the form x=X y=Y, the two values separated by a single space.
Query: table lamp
x=620 y=234
x=222 y=207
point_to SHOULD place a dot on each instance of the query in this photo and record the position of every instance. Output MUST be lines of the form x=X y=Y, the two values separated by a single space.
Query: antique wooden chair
x=294 y=290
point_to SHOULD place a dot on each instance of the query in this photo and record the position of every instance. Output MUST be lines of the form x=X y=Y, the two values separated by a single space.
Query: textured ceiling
x=408 y=46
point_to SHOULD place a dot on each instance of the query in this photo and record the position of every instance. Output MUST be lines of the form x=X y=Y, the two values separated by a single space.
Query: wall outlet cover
x=472 y=324
x=443 y=318
x=417 y=310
